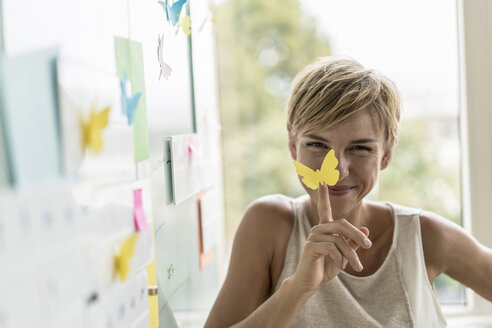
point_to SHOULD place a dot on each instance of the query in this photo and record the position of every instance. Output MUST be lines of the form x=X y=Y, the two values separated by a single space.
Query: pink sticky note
x=138 y=212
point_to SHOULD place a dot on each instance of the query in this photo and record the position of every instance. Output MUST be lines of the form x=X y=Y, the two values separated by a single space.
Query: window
x=414 y=43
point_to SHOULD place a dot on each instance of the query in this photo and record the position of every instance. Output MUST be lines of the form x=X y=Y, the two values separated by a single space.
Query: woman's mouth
x=339 y=190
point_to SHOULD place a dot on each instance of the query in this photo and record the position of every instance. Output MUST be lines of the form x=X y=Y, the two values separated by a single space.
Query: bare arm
x=450 y=249
x=280 y=309
x=248 y=283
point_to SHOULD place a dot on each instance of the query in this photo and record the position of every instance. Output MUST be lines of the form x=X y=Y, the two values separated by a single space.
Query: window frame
x=475 y=70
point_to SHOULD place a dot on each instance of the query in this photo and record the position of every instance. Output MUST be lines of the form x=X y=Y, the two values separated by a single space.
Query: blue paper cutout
x=128 y=104
x=172 y=12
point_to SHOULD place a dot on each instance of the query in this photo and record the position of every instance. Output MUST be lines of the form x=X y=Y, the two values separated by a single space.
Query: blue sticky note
x=29 y=119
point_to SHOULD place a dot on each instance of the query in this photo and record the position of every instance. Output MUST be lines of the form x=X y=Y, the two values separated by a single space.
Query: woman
x=333 y=258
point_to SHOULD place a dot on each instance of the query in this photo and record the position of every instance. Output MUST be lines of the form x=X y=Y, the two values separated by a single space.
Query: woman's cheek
x=366 y=164
x=311 y=158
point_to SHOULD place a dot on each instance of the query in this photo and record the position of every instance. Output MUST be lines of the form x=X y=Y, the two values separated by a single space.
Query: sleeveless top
x=398 y=294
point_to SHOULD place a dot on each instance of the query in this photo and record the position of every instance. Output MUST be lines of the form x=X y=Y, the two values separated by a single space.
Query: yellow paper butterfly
x=122 y=261
x=327 y=173
x=185 y=24
x=92 y=129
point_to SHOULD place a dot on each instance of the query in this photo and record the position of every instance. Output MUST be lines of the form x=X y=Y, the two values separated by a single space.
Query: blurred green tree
x=261 y=46
x=416 y=178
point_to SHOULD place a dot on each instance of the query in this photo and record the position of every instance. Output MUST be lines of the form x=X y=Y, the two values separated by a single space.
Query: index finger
x=324 y=206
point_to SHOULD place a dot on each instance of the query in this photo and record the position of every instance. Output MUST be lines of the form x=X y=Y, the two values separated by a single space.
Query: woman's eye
x=315 y=144
x=363 y=148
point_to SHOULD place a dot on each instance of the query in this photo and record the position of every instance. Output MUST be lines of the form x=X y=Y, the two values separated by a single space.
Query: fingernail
x=367 y=242
x=344 y=265
x=359 y=266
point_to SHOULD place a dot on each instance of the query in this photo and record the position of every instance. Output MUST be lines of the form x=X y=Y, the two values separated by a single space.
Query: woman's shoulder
x=268 y=221
x=396 y=209
x=271 y=211
x=274 y=202
x=264 y=231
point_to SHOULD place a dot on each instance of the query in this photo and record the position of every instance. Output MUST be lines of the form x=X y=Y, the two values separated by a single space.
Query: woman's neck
x=357 y=216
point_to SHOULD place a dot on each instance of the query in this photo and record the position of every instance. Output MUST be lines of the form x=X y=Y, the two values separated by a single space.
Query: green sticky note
x=129 y=60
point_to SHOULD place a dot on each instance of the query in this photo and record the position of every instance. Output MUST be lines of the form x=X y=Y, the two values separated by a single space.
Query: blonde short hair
x=332 y=89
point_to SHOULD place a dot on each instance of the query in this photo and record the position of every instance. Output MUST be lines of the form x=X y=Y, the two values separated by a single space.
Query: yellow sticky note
x=185 y=24
x=153 y=299
x=328 y=172
x=122 y=261
x=92 y=129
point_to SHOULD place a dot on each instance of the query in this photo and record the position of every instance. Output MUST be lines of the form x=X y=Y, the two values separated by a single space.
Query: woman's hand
x=329 y=247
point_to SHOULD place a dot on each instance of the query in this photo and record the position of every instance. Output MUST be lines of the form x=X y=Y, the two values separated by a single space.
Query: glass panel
x=263 y=44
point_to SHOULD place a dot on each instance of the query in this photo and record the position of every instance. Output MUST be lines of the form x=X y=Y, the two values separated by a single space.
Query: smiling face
x=359 y=146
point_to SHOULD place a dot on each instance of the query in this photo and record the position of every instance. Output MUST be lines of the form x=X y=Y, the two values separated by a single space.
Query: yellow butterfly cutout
x=185 y=24
x=92 y=129
x=327 y=173
x=122 y=261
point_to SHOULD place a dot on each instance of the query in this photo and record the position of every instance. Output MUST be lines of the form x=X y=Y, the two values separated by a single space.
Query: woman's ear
x=388 y=154
x=292 y=149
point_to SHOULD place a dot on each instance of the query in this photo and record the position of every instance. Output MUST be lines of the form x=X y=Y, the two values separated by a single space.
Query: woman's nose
x=343 y=165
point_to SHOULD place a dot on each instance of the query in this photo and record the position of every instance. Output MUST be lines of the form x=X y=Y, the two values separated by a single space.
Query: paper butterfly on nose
x=327 y=174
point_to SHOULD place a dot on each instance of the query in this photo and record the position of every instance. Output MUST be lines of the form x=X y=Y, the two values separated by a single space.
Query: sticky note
x=122 y=260
x=30 y=147
x=138 y=211
x=92 y=129
x=153 y=299
x=208 y=220
x=129 y=58
x=327 y=174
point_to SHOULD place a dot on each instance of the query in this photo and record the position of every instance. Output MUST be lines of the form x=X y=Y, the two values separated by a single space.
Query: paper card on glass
x=185 y=162
x=29 y=120
x=84 y=89
x=129 y=60
x=209 y=216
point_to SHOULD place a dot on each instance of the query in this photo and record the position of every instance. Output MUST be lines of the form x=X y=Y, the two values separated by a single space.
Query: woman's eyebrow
x=366 y=140
x=357 y=141
x=316 y=137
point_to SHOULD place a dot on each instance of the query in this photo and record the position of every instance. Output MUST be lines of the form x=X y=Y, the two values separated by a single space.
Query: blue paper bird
x=172 y=12
x=128 y=104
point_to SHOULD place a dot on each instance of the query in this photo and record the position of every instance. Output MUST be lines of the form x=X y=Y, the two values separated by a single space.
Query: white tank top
x=398 y=294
